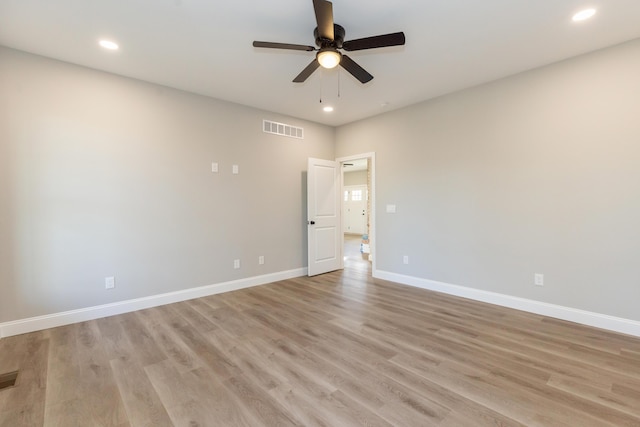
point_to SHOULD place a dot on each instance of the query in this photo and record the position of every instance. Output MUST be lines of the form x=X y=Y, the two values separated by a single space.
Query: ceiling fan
x=329 y=38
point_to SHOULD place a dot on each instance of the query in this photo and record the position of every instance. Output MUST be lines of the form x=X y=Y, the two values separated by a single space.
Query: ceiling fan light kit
x=329 y=37
x=329 y=58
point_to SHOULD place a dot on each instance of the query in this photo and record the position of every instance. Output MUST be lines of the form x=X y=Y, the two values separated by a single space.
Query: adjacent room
x=204 y=221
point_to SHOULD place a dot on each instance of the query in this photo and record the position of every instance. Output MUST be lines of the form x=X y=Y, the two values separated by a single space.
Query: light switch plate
x=214 y=167
x=235 y=169
x=391 y=208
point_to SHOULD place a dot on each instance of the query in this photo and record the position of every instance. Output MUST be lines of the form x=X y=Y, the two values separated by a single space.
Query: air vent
x=8 y=380
x=282 y=129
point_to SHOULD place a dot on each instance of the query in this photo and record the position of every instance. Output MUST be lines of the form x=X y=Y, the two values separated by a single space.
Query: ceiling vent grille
x=282 y=129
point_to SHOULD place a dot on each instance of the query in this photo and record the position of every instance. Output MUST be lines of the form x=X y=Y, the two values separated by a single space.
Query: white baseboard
x=603 y=321
x=65 y=318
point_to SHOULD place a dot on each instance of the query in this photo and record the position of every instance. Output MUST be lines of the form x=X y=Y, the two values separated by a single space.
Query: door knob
x=312 y=222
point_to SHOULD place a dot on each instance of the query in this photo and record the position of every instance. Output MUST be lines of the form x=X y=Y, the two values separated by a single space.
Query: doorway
x=358 y=224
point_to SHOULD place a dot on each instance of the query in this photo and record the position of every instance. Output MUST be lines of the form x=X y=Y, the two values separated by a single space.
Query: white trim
x=603 y=321
x=65 y=318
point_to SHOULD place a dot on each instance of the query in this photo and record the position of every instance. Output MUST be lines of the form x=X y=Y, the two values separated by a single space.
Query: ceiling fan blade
x=385 y=40
x=356 y=71
x=324 y=18
x=304 y=75
x=283 y=46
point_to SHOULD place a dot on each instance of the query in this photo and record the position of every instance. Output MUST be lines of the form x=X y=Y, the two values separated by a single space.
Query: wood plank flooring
x=340 y=349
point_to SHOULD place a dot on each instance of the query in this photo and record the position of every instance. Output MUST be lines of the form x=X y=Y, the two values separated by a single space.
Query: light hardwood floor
x=340 y=349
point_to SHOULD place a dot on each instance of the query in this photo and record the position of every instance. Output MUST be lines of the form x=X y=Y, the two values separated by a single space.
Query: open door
x=324 y=216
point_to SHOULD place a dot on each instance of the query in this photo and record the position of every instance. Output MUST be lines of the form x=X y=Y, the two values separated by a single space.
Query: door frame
x=372 y=195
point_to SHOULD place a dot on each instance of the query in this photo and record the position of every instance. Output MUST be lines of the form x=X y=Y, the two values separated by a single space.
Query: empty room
x=315 y=213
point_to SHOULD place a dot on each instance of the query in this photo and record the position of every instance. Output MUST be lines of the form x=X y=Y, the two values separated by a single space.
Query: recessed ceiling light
x=107 y=44
x=583 y=15
x=327 y=109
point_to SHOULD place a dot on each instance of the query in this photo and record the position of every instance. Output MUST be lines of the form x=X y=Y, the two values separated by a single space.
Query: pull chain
x=321 y=86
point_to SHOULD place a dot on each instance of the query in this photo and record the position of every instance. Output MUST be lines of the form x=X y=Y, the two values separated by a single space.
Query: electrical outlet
x=405 y=259
x=538 y=279
x=236 y=263
x=235 y=169
x=109 y=282
x=261 y=259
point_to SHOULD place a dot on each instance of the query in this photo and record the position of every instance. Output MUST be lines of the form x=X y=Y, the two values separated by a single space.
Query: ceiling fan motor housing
x=338 y=38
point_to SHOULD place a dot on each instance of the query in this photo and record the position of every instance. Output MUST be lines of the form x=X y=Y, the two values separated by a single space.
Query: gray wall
x=355 y=178
x=102 y=175
x=536 y=173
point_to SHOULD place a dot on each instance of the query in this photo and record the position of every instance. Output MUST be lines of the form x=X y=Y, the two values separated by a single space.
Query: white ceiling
x=205 y=46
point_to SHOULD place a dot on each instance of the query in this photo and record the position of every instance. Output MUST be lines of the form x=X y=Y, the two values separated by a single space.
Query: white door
x=323 y=215
x=354 y=214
